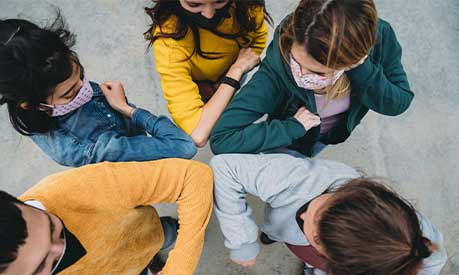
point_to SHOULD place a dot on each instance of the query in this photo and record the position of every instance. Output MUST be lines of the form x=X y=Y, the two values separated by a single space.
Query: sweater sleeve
x=134 y=184
x=180 y=91
x=236 y=132
x=383 y=87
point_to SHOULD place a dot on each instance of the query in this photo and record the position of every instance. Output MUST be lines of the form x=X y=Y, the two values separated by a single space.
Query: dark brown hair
x=366 y=228
x=162 y=10
x=338 y=34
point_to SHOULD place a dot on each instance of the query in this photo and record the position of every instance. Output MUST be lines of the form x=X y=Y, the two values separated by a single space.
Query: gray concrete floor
x=418 y=150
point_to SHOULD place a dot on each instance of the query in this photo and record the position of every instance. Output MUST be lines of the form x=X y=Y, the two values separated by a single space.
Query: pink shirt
x=331 y=112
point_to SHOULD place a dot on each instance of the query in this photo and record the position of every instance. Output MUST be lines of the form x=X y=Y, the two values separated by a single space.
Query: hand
x=246 y=61
x=306 y=118
x=357 y=64
x=114 y=93
x=248 y=263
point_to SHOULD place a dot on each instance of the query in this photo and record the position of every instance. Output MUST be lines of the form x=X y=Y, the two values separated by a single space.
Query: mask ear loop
x=47 y=108
x=12 y=36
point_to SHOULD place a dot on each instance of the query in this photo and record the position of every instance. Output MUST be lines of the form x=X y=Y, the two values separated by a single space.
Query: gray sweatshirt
x=285 y=183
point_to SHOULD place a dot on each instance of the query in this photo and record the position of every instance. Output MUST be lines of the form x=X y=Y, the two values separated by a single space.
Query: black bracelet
x=231 y=81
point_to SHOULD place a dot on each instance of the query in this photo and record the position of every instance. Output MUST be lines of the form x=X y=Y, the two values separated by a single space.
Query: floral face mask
x=84 y=96
x=312 y=81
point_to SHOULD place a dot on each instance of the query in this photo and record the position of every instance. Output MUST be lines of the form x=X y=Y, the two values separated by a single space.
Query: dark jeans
x=170 y=235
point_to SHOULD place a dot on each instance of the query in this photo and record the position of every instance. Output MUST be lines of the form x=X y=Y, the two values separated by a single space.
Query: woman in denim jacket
x=74 y=121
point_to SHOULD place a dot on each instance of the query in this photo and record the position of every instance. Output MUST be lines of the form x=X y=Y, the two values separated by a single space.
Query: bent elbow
x=199 y=140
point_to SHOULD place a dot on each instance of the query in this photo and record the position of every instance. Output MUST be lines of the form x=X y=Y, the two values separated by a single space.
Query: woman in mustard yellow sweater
x=202 y=49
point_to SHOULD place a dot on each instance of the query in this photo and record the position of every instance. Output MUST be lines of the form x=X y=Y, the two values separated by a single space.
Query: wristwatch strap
x=231 y=81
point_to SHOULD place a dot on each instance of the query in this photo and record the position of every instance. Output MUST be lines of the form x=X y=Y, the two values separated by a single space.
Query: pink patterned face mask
x=84 y=96
x=312 y=81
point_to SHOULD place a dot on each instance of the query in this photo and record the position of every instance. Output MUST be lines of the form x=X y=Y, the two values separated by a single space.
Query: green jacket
x=379 y=84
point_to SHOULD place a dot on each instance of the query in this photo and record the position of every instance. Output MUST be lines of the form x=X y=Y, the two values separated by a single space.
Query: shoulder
x=96 y=88
x=164 y=45
x=385 y=34
x=384 y=29
x=258 y=13
x=167 y=27
x=387 y=47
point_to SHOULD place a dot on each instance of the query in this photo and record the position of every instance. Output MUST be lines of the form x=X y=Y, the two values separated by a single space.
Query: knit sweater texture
x=107 y=206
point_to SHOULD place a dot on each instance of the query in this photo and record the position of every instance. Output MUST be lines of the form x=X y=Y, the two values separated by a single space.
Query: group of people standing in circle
x=328 y=64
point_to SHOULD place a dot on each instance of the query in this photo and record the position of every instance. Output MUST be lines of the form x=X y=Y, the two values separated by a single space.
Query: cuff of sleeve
x=140 y=117
x=246 y=252
x=295 y=128
x=360 y=74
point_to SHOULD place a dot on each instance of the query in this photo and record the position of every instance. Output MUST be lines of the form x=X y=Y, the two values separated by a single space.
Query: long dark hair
x=366 y=228
x=33 y=61
x=162 y=10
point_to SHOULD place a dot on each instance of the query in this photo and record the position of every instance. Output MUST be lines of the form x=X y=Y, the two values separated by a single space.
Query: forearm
x=194 y=210
x=256 y=137
x=162 y=129
x=212 y=111
x=235 y=218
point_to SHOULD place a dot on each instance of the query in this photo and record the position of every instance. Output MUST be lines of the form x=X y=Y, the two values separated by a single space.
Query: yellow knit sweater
x=178 y=73
x=107 y=207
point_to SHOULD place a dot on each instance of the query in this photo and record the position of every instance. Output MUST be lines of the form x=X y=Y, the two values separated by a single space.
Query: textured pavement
x=417 y=150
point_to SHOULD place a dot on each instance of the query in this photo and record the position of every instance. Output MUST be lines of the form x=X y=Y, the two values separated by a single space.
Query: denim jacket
x=95 y=132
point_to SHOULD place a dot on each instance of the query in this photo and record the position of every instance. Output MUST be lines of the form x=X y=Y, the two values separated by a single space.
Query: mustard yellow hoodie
x=178 y=72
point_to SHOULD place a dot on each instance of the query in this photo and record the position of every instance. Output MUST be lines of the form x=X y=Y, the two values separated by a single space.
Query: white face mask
x=312 y=81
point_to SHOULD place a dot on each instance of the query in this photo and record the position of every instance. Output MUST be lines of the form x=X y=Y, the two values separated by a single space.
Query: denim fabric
x=95 y=133
x=170 y=227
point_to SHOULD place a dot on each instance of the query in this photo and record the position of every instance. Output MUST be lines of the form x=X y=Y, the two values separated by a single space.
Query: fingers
x=306 y=118
x=248 y=263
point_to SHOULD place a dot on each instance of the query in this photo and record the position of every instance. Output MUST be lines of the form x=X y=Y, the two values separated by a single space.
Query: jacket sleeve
x=181 y=92
x=236 y=130
x=235 y=175
x=165 y=140
x=383 y=87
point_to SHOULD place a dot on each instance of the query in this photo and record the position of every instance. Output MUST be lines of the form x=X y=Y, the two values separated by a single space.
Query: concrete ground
x=418 y=149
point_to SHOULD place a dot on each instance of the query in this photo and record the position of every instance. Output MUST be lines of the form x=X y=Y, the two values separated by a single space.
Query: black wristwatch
x=231 y=81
